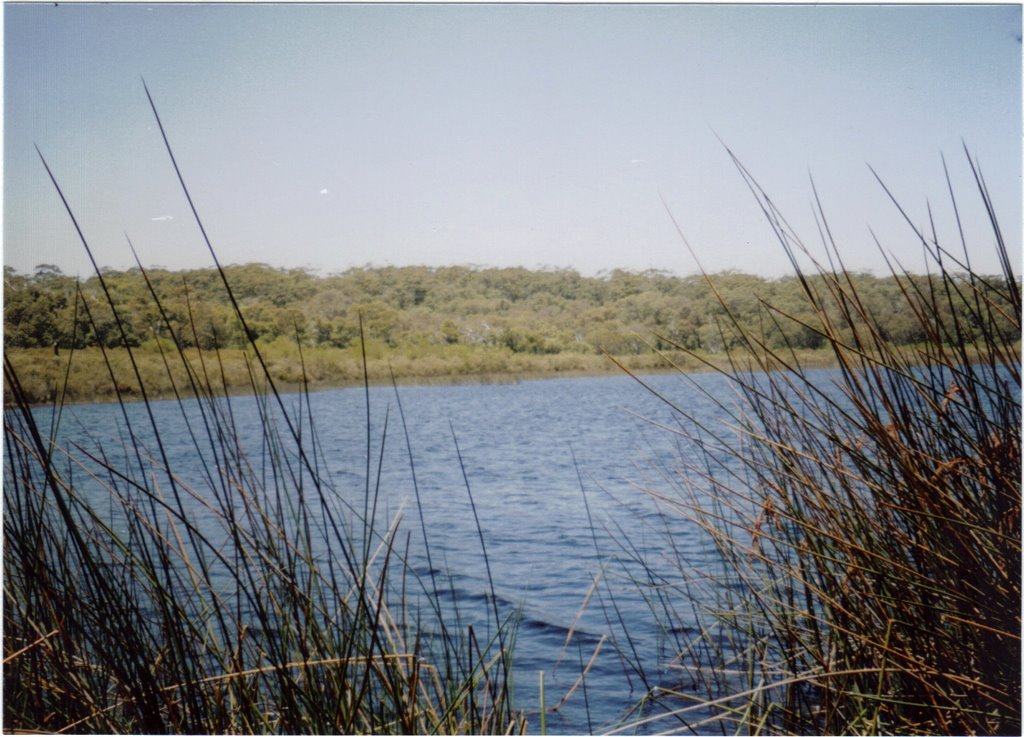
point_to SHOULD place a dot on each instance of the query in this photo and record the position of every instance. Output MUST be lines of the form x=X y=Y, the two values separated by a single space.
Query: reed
x=867 y=521
x=246 y=594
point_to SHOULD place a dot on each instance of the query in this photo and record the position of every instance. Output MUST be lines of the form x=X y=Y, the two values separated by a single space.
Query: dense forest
x=538 y=312
x=426 y=322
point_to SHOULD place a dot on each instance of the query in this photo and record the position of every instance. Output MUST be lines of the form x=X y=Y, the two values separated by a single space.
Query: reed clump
x=243 y=593
x=867 y=520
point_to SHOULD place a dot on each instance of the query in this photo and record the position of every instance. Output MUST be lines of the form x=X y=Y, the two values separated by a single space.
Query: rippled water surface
x=535 y=454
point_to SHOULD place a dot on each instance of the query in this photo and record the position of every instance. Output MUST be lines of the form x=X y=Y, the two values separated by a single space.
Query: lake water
x=536 y=454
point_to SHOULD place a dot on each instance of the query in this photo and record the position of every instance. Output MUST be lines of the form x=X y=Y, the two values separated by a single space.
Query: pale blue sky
x=328 y=136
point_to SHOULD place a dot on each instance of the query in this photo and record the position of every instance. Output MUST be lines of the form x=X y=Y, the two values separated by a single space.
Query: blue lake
x=536 y=455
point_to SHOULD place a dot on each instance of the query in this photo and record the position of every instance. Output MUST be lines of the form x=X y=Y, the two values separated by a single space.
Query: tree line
x=546 y=311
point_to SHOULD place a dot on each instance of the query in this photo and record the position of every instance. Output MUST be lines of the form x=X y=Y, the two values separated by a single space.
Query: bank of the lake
x=84 y=375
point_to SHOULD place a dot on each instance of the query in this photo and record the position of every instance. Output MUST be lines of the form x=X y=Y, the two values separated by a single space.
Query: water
x=572 y=479
x=535 y=454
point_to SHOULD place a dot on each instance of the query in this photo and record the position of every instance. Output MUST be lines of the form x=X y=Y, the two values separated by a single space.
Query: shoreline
x=89 y=379
x=291 y=387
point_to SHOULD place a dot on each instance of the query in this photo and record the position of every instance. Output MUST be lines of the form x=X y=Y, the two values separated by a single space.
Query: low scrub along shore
x=83 y=375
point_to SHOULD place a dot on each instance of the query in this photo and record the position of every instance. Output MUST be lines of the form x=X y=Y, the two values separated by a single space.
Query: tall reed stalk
x=868 y=520
x=245 y=593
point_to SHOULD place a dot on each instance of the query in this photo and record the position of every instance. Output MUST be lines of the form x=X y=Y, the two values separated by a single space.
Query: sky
x=332 y=136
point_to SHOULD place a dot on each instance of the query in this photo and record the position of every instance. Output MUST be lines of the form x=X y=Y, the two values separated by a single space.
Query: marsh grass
x=868 y=524
x=86 y=379
x=244 y=595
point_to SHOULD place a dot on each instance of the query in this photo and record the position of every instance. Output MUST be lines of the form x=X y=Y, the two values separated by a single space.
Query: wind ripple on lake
x=517 y=443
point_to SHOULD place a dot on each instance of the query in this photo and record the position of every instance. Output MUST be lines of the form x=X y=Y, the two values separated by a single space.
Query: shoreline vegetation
x=420 y=325
x=82 y=376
